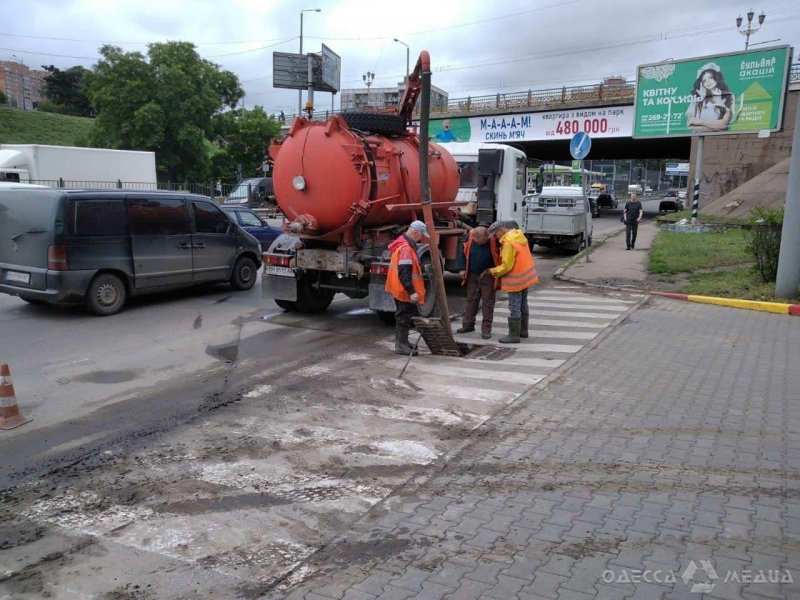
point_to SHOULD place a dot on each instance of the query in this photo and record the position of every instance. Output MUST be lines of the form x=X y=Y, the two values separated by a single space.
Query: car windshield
x=250 y=219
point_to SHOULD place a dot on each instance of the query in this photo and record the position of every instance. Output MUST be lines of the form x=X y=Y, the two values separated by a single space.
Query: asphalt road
x=89 y=382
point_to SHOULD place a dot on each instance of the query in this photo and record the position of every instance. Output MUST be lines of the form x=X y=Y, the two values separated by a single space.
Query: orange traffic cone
x=10 y=416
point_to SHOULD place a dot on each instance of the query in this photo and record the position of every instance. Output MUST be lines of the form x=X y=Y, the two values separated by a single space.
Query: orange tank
x=331 y=178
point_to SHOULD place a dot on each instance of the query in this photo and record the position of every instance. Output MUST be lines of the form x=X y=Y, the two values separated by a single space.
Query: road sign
x=579 y=145
x=741 y=92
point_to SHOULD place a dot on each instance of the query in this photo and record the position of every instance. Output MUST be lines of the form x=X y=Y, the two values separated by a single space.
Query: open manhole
x=443 y=344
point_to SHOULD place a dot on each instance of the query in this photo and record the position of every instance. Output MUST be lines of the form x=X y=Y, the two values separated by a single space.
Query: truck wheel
x=311 y=300
x=106 y=295
x=244 y=275
x=286 y=305
x=428 y=309
x=384 y=124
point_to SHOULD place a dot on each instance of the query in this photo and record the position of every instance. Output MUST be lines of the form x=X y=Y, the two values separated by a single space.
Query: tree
x=66 y=91
x=163 y=102
x=245 y=136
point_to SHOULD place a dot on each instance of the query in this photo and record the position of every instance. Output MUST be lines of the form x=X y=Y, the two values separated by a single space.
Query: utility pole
x=788 y=277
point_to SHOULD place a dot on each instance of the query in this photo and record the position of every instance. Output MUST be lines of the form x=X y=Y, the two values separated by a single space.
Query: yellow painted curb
x=772 y=307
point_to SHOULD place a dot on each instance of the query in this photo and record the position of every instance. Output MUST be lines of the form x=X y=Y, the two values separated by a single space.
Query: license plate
x=281 y=271
x=20 y=277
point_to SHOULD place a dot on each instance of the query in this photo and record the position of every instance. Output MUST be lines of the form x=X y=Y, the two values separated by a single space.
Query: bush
x=763 y=241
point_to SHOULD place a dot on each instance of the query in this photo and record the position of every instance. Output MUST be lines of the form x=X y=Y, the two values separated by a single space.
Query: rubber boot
x=466 y=328
x=401 y=345
x=513 y=332
x=523 y=328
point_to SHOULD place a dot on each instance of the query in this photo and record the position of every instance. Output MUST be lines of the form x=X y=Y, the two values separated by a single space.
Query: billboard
x=741 y=92
x=331 y=71
x=290 y=70
x=610 y=121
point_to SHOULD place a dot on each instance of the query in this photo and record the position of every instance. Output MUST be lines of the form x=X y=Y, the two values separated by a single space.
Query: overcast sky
x=477 y=47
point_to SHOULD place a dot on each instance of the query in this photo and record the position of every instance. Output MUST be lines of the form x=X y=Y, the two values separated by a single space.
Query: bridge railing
x=546 y=98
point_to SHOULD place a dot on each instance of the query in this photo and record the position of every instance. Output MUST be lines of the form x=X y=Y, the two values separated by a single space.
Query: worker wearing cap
x=405 y=283
x=517 y=273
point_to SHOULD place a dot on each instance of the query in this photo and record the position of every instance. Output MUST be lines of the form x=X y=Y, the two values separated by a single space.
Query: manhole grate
x=436 y=337
x=489 y=352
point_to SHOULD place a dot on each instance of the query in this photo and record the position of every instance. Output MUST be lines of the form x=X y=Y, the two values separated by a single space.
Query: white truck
x=559 y=216
x=493 y=181
x=66 y=166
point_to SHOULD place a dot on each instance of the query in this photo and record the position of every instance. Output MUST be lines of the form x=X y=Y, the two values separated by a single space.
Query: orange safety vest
x=495 y=253
x=393 y=284
x=523 y=274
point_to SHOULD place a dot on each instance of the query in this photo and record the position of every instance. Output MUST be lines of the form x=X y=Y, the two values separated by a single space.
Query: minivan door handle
x=199 y=245
x=185 y=246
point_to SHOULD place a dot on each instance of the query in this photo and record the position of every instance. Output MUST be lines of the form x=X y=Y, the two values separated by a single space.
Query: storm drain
x=488 y=352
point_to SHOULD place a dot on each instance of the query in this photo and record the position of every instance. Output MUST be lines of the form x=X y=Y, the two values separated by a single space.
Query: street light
x=750 y=29
x=407 y=55
x=368 y=78
x=300 y=92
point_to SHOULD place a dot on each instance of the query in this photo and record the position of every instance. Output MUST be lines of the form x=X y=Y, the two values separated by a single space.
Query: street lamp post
x=300 y=92
x=368 y=78
x=407 y=54
x=750 y=29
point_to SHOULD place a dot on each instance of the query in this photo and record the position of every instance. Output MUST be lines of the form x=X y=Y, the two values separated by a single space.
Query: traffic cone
x=10 y=416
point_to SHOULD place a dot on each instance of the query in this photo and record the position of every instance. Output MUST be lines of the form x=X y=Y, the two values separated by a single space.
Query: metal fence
x=203 y=188
x=536 y=99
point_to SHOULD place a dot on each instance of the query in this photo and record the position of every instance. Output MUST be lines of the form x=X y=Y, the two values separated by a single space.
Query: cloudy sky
x=477 y=47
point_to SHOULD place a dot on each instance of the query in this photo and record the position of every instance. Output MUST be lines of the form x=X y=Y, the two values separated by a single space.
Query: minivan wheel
x=106 y=295
x=244 y=274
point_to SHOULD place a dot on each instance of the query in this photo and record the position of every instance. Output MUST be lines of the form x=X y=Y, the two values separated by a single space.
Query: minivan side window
x=102 y=217
x=209 y=219
x=158 y=216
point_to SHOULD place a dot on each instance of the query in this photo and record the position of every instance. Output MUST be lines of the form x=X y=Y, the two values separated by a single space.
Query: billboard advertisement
x=331 y=70
x=741 y=92
x=611 y=121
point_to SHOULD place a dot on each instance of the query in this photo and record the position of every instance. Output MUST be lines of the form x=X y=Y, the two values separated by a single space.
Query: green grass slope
x=30 y=127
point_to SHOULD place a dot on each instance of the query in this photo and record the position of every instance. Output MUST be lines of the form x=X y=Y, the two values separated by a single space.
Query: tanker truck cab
x=493 y=181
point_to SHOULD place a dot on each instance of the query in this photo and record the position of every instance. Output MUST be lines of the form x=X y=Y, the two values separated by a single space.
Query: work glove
x=414 y=298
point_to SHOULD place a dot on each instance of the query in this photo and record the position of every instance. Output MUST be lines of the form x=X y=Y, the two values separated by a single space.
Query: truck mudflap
x=380 y=299
x=279 y=287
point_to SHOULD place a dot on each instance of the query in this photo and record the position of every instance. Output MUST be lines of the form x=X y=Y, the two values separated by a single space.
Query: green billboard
x=742 y=92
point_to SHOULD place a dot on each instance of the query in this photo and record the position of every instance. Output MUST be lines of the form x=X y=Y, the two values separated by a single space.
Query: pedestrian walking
x=631 y=215
x=218 y=188
x=481 y=253
x=405 y=283
x=517 y=272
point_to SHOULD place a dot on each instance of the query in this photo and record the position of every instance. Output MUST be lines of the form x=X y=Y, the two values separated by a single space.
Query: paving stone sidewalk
x=662 y=463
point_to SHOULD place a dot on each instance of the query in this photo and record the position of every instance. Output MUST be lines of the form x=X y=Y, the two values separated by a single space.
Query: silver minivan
x=100 y=247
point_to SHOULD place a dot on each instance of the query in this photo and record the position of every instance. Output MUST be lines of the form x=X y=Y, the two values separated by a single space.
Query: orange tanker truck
x=348 y=186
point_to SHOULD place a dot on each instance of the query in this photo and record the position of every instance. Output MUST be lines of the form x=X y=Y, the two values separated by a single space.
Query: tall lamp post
x=407 y=54
x=368 y=78
x=750 y=29
x=300 y=92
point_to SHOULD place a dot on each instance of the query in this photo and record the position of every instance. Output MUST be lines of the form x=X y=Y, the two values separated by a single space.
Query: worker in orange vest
x=405 y=283
x=481 y=253
x=516 y=273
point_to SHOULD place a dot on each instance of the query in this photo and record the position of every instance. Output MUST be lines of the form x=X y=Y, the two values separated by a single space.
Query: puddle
x=107 y=376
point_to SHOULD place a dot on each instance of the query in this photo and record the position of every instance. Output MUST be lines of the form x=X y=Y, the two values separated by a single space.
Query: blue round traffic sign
x=579 y=145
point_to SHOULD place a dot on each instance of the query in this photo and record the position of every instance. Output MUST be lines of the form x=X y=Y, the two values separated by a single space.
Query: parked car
x=253 y=224
x=603 y=197
x=671 y=201
x=256 y=192
x=559 y=216
x=100 y=247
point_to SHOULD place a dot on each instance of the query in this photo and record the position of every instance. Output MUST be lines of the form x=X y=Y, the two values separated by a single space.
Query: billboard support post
x=788 y=277
x=698 y=174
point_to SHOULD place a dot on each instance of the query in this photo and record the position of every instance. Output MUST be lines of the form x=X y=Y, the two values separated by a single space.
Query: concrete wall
x=731 y=160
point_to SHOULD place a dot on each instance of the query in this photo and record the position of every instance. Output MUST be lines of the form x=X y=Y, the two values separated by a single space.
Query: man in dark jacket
x=632 y=214
x=480 y=254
